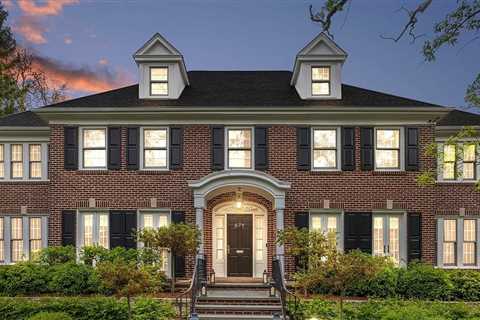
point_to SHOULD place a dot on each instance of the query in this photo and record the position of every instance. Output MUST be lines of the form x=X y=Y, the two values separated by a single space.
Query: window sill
x=459 y=268
x=326 y=172
x=153 y=172
x=453 y=182
x=389 y=172
x=15 y=181
x=92 y=172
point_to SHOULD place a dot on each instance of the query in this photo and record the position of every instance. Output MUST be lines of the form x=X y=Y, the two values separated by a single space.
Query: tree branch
x=331 y=7
x=412 y=22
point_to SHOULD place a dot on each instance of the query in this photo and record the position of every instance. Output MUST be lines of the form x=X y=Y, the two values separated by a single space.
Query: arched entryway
x=240 y=221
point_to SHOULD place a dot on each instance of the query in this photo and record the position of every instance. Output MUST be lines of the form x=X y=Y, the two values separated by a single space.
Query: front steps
x=238 y=301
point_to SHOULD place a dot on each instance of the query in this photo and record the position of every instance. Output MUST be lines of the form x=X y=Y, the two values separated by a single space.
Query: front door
x=386 y=236
x=239 y=245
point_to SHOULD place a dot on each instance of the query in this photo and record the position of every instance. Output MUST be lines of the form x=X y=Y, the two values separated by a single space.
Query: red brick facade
x=352 y=191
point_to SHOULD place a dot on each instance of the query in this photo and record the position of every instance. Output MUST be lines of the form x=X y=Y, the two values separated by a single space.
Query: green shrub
x=51 y=316
x=23 y=279
x=466 y=284
x=411 y=312
x=420 y=281
x=148 y=309
x=384 y=284
x=74 y=279
x=100 y=254
x=56 y=255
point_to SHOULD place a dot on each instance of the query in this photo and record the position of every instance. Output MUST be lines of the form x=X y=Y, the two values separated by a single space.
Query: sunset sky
x=89 y=43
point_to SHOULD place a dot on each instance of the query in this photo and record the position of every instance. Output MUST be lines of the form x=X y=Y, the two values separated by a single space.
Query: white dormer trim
x=321 y=51
x=158 y=52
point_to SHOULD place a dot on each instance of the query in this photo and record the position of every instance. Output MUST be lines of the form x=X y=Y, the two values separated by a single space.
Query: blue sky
x=96 y=39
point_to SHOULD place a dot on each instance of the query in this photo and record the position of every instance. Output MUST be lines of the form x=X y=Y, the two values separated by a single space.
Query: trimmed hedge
x=51 y=316
x=390 y=310
x=97 y=308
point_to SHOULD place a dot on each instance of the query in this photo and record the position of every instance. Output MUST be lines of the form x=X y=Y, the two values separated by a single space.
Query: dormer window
x=159 y=81
x=320 y=81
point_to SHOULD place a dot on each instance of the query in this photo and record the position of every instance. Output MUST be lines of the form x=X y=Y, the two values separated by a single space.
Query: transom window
x=387 y=148
x=35 y=158
x=17 y=161
x=94 y=229
x=320 y=81
x=459 y=162
x=325 y=149
x=239 y=151
x=2 y=161
x=155 y=142
x=159 y=81
x=94 y=148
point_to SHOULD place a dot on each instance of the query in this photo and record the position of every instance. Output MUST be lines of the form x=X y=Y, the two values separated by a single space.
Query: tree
x=21 y=86
x=462 y=21
x=127 y=279
x=179 y=238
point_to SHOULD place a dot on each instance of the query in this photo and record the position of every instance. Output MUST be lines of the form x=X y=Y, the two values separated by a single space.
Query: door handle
x=228 y=249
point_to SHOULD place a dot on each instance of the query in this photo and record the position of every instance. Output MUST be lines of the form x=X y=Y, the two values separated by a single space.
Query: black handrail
x=288 y=299
x=186 y=301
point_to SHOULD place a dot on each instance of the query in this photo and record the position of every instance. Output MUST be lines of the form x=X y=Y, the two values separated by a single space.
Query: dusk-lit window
x=94 y=148
x=35 y=158
x=17 y=161
x=469 y=241
x=94 y=229
x=159 y=81
x=239 y=152
x=2 y=161
x=469 y=161
x=155 y=148
x=35 y=235
x=387 y=149
x=449 y=242
x=449 y=161
x=325 y=149
x=320 y=81
x=17 y=239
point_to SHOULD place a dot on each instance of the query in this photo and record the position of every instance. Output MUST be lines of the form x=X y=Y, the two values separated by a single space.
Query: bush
x=23 y=279
x=99 y=254
x=56 y=255
x=466 y=284
x=51 y=316
x=420 y=281
x=74 y=279
x=98 y=308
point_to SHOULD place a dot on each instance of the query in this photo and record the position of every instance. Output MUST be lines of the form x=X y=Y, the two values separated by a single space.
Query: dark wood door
x=239 y=245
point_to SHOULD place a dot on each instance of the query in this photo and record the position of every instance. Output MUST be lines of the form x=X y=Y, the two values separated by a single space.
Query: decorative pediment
x=323 y=46
x=157 y=46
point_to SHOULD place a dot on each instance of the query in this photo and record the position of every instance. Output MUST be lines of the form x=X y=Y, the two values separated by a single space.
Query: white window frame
x=329 y=81
x=459 y=162
x=7 y=235
x=459 y=242
x=26 y=161
x=2 y=162
x=142 y=149
x=252 y=158
x=30 y=161
x=403 y=243
x=324 y=214
x=156 y=213
x=401 y=154
x=96 y=226
x=81 y=149
x=338 y=149
x=150 y=81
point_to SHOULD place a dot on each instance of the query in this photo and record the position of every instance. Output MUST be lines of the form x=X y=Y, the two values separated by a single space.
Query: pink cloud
x=7 y=4
x=48 y=8
x=32 y=30
x=67 y=40
x=81 y=79
x=103 y=62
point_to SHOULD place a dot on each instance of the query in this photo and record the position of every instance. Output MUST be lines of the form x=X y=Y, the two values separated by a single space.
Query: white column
x=279 y=211
x=199 y=223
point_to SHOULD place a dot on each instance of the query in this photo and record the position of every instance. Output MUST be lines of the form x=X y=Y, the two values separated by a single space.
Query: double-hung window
x=16 y=229
x=387 y=149
x=35 y=235
x=325 y=150
x=94 y=148
x=321 y=81
x=17 y=161
x=2 y=161
x=94 y=229
x=239 y=148
x=330 y=224
x=35 y=158
x=2 y=240
x=469 y=242
x=159 y=81
x=449 y=242
x=469 y=161
x=154 y=220
x=449 y=162
x=458 y=162
x=155 y=148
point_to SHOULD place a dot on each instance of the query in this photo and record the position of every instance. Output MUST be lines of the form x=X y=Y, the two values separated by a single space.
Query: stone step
x=236 y=317
x=238 y=293
x=238 y=301
x=242 y=309
x=239 y=285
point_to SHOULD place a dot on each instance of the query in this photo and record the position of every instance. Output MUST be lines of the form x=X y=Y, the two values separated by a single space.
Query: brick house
x=241 y=154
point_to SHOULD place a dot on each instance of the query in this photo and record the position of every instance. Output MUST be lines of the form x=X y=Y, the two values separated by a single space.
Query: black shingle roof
x=241 y=88
x=460 y=118
x=22 y=119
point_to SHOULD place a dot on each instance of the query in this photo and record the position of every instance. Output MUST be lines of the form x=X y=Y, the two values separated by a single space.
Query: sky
x=88 y=44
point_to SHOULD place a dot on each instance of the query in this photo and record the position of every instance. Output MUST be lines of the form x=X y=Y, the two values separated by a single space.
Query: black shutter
x=414 y=237
x=358 y=231
x=261 y=148
x=303 y=148
x=218 y=148
x=176 y=148
x=411 y=149
x=68 y=227
x=302 y=220
x=348 y=148
x=179 y=217
x=71 y=148
x=366 y=148
x=133 y=148
x=122 y=227
x=114 y=143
